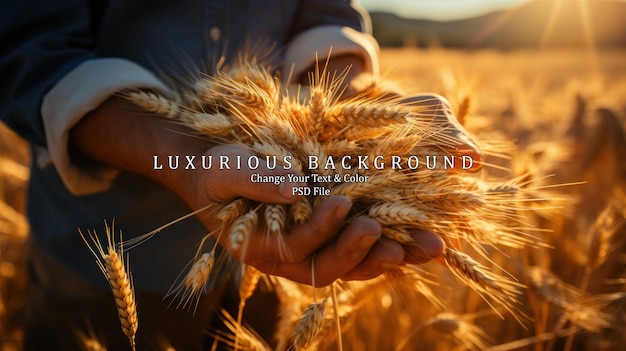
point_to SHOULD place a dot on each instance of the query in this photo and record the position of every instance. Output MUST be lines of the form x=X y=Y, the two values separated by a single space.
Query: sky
x=438 y=9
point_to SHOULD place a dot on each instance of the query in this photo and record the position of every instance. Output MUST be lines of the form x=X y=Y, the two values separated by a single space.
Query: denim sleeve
x=335 y=27
x=343 y=13
x=41 y=42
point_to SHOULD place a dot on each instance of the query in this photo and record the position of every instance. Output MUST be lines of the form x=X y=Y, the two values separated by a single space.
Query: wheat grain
x=275 y=218
x=280 y=153
x=602 y=232
x=249 y=280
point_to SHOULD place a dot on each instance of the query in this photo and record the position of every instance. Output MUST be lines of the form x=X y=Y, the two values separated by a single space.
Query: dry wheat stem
x=134 y=242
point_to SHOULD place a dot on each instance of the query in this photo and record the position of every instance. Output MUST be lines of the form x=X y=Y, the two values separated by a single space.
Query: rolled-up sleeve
x=80 y=91
x=335 y=27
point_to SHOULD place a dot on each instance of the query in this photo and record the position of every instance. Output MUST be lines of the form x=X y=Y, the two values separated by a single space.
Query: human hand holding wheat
x=357 y=253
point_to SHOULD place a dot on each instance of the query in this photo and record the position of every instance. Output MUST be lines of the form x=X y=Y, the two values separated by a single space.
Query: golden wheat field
x=553 y=122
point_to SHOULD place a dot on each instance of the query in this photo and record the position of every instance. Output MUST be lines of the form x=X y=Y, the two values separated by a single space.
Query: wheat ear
x=111 y=263
x=249 y=279
x=316 y=110
x=485 y=283
x=467 y=334
x=153 y=102
x=195 y=280
x=397 y=214
x=275 y=218
x=309 y=324
x=89 y=341
x=310 y=321
x=301 y=211
x=241 y=230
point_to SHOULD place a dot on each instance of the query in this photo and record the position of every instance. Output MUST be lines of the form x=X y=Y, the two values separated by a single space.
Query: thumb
x=240 y=173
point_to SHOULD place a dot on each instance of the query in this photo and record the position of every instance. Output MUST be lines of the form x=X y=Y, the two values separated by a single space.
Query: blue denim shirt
x=43 y=41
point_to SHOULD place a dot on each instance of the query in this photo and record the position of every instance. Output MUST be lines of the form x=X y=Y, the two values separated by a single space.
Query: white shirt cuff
x=322 y=40
x=79 y=92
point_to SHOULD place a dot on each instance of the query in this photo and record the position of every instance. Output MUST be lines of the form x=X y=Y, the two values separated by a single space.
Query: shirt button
x=215 y=33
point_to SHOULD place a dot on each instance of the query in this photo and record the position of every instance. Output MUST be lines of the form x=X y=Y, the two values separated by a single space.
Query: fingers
x=384 y=255
x=304 y=239
x=352 y=247
x=358 y=253
x=336 y=259
x=239 y=180
x=427 y=247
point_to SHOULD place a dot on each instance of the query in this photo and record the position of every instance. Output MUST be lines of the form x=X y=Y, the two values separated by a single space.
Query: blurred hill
x=526 y=26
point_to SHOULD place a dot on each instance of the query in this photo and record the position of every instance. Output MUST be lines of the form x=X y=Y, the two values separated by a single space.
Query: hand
x=357 y=253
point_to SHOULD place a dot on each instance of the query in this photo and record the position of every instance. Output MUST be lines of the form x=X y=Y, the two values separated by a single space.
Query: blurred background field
x=565 y=111
x=564 y=108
